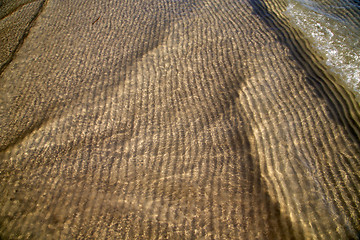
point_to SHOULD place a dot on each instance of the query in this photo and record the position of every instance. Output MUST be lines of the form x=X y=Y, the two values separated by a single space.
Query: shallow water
x=333 y=29
x=173 y=119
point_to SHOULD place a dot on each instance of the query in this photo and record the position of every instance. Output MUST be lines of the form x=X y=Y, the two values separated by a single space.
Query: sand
x=172 y=119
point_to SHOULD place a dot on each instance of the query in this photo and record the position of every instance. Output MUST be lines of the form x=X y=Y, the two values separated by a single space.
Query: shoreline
x=174 y=119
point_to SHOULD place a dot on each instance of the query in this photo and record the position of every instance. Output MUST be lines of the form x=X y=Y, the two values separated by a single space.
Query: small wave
x=334 y=32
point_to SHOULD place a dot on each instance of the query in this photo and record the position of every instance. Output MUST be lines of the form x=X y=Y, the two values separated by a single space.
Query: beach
x=174 y=119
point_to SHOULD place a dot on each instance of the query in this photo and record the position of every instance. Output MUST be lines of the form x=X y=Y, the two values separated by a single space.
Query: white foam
x=336 y=39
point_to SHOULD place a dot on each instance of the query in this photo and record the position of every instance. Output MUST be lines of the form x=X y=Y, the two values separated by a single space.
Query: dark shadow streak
x=25 y=34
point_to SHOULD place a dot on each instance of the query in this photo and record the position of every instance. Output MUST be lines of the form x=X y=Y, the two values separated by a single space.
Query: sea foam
x=333 y=29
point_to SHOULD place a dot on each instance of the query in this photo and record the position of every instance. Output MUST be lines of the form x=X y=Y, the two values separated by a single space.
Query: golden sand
x=172 y=119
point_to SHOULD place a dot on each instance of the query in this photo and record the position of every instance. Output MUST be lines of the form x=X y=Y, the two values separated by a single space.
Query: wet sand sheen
x=174 y=119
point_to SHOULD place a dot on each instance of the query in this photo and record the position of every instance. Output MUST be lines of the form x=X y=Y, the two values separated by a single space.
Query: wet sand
x=172 y=119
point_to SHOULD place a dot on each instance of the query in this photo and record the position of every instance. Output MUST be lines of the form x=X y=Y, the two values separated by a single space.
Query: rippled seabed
x=173 y=119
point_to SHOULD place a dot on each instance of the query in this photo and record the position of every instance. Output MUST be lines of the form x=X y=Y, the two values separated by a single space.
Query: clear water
x=333 y=29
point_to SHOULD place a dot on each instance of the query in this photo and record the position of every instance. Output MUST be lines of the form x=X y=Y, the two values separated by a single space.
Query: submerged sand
x=176 y=119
